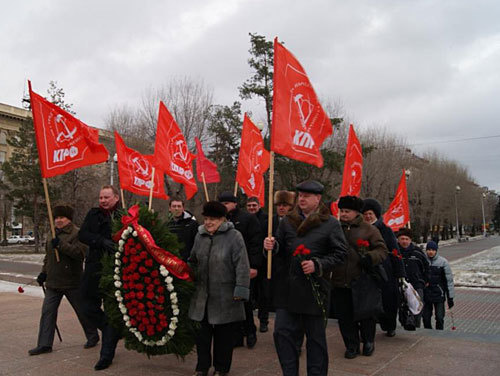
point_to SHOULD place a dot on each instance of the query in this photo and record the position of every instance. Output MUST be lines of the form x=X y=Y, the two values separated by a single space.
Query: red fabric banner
x=253 y=161
x=64 y=142
x=300 y=125
x=171 y=152
x=135 y=171
x=398 y=213
x=205 y=166
x=172 y=263
x=353 y=170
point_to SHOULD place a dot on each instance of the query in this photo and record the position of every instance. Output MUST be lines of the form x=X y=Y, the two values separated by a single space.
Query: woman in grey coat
x=222 y=278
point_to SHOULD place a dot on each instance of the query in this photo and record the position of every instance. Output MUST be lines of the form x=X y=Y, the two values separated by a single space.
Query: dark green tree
x=225 y=134
x=260 y=84
x=496 y=217
x=23 y=179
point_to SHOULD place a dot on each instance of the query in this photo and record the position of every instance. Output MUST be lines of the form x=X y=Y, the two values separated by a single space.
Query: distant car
x=29 y=239
x=18 y=239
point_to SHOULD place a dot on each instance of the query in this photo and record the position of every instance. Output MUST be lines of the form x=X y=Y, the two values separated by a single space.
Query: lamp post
x=457 y=191
x=113 y=161
x=483 y=196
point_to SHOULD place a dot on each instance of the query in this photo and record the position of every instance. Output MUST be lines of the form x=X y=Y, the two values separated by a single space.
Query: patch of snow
x=28 y=289
x=481 y=269
x=19 y=257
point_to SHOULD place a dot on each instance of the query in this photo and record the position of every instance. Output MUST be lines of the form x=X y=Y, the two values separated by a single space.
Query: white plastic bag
x=413 y=300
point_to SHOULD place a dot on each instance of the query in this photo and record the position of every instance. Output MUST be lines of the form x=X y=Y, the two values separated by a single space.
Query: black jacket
x=322 y=234
x=96 y=233
x=249 y=226
x=416 y=266
x=186 y=229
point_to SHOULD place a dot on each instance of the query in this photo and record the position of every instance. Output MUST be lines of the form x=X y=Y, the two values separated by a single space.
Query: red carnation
x=150 y=295
x=150 y=287
x=156 y=282
x=138 y=246
x=135 y=302
x=20 y=290
x=130 y=241
x=149 y=304
x=149 y=263
x=140 y=295
x=154 y=273
x=140 y=306
x=142 y=313
x=159 y=307
x=133 y=251
x=362 y=243
x=127 y=251
x=151 y=312
x=160 y=289
x=306 y=251
x=139 y=286
x=147 y=280
x=125 y=260
x=143 y=254
x=133 y=322
x=145 y=321
x=164 y=323
x=133 y=312
x=142 y=270
x=142 y=327
x=161 y=299
x=162 y=317
x=159 y=327
x=153 y=319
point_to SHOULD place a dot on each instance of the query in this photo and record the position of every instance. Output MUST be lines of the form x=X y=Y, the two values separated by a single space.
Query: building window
x=3 y=138
x=3 y=156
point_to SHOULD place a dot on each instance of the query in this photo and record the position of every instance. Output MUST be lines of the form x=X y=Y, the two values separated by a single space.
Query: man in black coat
x=416 y=265
x=183 y=225
x=311 y=229
x=393 y=265
x=250 y=228
x=96 y=233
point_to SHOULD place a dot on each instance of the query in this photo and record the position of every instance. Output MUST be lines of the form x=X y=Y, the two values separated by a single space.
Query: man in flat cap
x=312 y=231
x=249 y=226
x=62 y=278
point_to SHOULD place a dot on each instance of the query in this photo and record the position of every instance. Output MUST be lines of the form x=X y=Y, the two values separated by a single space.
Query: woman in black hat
x=222 y=278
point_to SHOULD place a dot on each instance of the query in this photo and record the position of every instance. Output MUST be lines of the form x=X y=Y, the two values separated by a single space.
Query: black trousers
x=110 y=337
x=222 y=336
x=289 y=329
x=263 y=296
x=48 y=320
x=353 y=332
x=427 y=315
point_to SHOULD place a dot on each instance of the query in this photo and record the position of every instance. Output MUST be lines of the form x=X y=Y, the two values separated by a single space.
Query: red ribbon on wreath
x=174 y=264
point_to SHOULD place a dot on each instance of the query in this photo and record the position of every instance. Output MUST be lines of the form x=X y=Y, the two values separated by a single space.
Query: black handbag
x=366 y=298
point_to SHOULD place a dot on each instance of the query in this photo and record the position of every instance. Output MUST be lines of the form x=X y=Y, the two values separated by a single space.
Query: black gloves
x=450 y=303
x=55 y=242
x=108 y=245
x=366 y=262
x=42 y=277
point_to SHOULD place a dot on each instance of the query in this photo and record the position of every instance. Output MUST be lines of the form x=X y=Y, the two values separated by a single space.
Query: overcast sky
x=427 y=70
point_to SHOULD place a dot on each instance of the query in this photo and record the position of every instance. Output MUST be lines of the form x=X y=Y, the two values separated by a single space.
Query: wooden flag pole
x=151 y=189
x=123 y=199
x=51 y=219
x=270 y=211
x=205 y=186
x=235 y=188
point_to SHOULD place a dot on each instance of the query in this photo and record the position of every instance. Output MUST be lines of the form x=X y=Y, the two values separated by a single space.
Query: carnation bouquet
x=147 y=286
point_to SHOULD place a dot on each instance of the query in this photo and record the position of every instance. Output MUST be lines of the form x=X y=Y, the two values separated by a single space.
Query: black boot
x=368 y=348
x=103 y=363
x=40 y=350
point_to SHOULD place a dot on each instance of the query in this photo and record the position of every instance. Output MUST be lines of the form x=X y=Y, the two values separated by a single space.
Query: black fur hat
x=351 y=202
x=404 y=232
x=214 y=209
x=63 y=211
x=227 y=197
x=372 y=204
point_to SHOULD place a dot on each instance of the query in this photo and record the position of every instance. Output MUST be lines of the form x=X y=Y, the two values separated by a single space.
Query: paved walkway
x=472 y=348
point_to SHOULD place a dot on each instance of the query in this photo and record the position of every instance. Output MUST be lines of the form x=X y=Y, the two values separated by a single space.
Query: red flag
x=398 y=213
x=171 y=152
x=300 y=125
x=205 y=166
x=253 y=161
x=353 y=170
x=135 y=171
x=64 y=142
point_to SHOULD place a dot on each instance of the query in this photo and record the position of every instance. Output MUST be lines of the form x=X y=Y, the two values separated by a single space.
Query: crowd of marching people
x=352 y=268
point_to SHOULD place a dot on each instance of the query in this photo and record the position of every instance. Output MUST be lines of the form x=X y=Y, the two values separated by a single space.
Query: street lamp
x=457 y=191
x=115 y=160
x=483 y=196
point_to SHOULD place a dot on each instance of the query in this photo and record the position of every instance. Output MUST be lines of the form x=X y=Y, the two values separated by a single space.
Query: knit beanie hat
x=432 y=245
